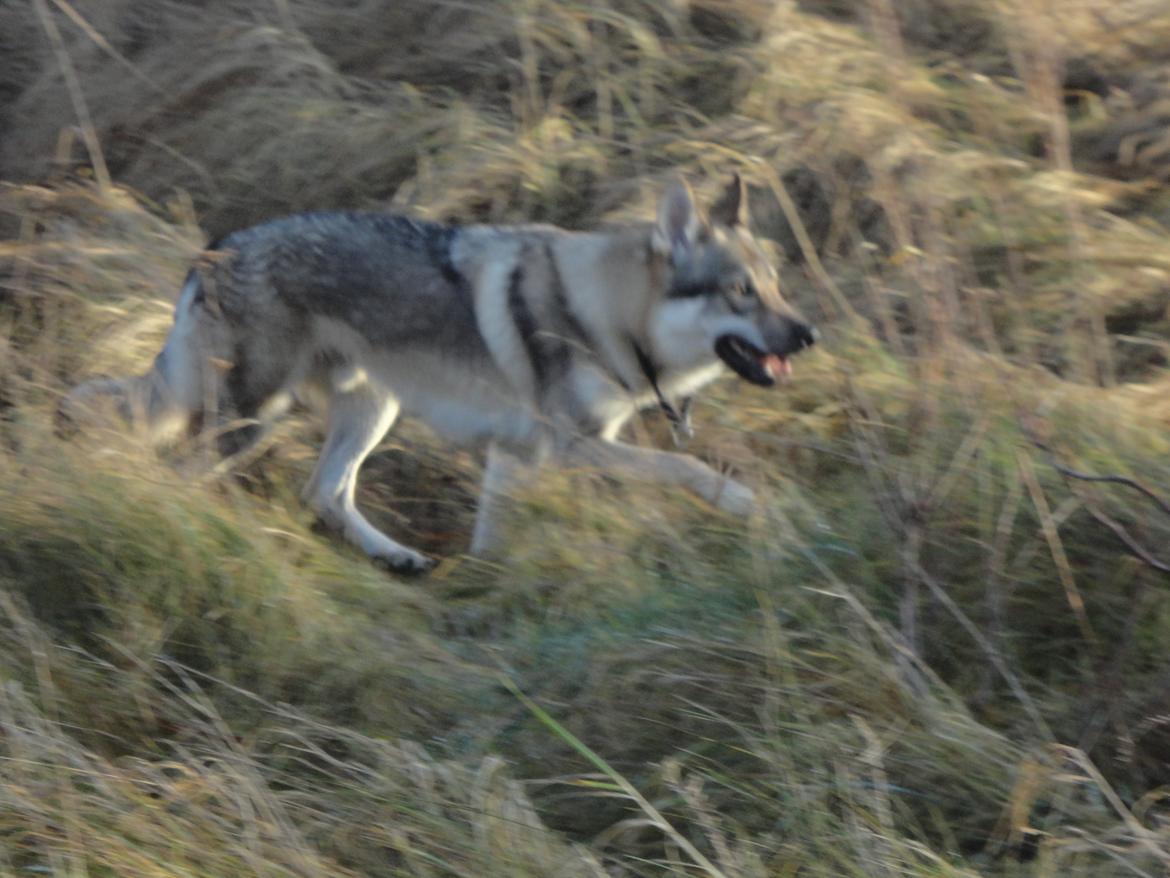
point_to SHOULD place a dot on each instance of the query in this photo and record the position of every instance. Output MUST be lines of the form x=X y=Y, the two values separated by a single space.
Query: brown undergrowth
x=938 y=648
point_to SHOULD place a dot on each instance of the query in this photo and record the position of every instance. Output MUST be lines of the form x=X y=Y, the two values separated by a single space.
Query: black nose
x=806 y=335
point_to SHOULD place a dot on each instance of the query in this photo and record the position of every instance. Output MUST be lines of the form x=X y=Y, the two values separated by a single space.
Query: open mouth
x=751 y=363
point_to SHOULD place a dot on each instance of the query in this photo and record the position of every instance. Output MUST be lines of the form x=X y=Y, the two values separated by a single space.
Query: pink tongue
x=776 y=366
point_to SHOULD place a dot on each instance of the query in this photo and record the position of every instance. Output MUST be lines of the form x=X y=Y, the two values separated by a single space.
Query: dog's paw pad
x=406 y=563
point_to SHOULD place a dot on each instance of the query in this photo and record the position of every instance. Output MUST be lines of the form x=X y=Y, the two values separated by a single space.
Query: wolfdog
x=540 y=341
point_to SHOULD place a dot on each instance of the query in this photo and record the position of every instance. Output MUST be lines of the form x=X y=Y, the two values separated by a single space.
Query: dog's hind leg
x=161 y=404
x=246 y=401
x=358 y=419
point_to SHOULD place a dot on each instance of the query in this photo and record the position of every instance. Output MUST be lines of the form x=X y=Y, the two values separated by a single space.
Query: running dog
x=540 y=341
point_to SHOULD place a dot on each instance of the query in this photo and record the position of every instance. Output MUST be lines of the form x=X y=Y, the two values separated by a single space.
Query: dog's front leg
x=664 y=467
x=503 y=474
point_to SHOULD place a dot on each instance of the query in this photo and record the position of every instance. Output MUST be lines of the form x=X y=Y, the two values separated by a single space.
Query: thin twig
x=1048 y=525
x=1117 y=480
x=989 y=649
x=1148 y=839
x=1029 y=431
x=1135 y=548
x=1122 y=534
x=807 y=248
x=100 y=172
x=102 y=43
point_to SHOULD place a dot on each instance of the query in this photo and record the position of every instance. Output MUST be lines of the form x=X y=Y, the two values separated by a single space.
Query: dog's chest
x=604 y=403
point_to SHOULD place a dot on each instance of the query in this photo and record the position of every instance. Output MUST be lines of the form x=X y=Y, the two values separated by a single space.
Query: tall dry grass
x=937 y=650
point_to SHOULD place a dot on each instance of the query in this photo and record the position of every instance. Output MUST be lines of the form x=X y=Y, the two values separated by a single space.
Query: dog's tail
x=163 y=403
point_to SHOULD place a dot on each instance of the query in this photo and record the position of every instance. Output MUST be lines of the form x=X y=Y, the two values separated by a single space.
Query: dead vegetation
x=937 y=650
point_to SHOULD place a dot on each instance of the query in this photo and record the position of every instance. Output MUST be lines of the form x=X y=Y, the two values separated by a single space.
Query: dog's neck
x=679 y=418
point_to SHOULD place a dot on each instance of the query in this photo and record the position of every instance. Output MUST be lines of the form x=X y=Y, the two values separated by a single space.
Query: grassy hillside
x=936 y=650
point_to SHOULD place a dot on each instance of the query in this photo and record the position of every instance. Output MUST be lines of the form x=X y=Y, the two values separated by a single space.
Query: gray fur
x=537 y=340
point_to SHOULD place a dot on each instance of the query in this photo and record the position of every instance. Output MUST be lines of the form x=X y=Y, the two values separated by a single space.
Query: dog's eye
x=742 y=290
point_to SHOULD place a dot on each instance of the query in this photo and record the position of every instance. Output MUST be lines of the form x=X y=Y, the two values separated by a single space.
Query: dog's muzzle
x=760 y=367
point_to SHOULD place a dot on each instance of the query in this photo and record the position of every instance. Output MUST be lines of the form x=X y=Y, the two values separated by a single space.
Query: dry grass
x=929 y=654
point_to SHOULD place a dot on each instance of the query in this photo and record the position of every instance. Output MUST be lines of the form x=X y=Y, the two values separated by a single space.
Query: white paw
x=736 y=498
x=405 y=562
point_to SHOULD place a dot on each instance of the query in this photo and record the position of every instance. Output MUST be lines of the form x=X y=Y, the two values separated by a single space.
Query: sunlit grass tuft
x=928 y=653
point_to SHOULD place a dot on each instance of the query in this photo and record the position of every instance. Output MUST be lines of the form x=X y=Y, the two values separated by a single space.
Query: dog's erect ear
x=731 y=208
x=678 y=221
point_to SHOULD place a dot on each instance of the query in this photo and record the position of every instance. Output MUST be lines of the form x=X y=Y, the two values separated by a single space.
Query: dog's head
x=722 y=295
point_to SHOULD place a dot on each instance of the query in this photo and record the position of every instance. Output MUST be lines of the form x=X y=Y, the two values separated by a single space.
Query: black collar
x=680 y=418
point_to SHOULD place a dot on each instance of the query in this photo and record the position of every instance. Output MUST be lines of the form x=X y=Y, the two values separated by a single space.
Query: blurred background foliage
x=936 y=650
